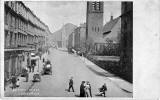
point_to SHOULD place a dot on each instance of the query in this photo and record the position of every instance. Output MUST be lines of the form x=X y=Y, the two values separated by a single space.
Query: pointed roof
x=108 y=26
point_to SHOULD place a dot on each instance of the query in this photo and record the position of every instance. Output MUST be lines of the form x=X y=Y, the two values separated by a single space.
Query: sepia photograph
x=68 y=49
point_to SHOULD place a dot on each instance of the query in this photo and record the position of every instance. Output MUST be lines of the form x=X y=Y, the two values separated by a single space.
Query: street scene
x=83 y=53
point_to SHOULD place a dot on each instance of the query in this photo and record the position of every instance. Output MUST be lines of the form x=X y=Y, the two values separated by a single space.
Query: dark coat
x=14 y=80
x=82 y=91
x=70 y=82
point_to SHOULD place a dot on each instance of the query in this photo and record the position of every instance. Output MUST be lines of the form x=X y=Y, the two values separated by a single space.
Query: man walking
x=71 y=85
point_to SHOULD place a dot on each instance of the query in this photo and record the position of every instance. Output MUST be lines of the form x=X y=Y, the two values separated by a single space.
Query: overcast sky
x=56 y=13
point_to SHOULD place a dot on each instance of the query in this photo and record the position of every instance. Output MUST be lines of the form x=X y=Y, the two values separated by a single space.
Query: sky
x=57 y=13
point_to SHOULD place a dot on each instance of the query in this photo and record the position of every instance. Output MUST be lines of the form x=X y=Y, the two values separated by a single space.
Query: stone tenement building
x=94 y=23
x=24 y=32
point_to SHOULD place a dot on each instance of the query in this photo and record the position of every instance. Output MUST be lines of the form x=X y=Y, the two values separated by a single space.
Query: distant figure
x=33 y=65
x=27 y=76
x=43 y=60
x=29 y=67
x=18 y=83
x=103 y=89
x=13 y=80
x=82 y=89
x=71 y=85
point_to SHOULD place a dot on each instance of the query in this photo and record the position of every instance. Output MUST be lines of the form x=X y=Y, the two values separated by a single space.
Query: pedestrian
x=18 y=83
x=103 y=89
x=71 y=84
x=27 y=76
x=90 y=91
x=33 y=65
x=13 y=80
x=43 y=60
x=82 y=89
x=5 y=81
x=87 y=92
x=29 y=67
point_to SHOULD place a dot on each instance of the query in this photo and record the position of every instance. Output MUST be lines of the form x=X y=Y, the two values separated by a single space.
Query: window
x=93 y=5
x=20 y=24
x=6 y=43
x=16 y=23
x=10 y=42
x=95 y=29
x=98 y=29
x=8 y=18
x=12 y=4
x=98 y=6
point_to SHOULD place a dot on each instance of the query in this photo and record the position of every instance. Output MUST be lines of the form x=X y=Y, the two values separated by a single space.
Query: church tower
x=94 y=21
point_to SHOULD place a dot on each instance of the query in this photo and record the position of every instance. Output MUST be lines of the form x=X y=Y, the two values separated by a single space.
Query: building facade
x=77 y=39
x=127 y=37
x=94 y=23
x=83 y=37
x=24 y=32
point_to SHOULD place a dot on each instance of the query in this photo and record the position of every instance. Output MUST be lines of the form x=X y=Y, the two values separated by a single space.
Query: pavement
x=121 y=83
x=66 y=65
x=25 y=88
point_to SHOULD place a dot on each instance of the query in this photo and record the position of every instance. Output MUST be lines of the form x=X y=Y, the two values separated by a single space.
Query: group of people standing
x=85 y=88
